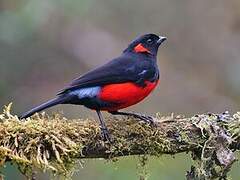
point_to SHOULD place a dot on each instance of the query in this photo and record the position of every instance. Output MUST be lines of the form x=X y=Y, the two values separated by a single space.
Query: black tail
x=50 y=103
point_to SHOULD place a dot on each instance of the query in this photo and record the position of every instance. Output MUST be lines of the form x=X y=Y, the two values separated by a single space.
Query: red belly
x=125 y=94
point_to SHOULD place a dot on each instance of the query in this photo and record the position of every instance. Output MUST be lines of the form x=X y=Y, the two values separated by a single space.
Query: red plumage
x=141 y=49
x=125 y=94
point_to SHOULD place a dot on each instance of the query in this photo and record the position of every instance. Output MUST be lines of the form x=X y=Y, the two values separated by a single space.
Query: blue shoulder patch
x=86 y=92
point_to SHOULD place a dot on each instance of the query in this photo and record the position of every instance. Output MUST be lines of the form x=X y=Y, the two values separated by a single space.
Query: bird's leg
x=103 y=127
x=147 y=119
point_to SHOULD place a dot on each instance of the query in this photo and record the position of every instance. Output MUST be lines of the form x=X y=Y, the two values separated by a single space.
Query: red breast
x=125 y=94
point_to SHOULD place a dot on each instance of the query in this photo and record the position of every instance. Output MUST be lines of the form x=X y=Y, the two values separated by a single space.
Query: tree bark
x=54 y=142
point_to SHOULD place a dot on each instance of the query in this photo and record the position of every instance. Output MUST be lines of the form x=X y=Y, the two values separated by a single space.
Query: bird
x=122 y=82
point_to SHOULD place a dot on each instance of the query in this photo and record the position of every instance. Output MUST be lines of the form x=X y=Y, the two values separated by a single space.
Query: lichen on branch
x=55 y=142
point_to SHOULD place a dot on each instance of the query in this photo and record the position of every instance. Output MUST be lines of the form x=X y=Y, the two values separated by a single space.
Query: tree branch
x=53 y=142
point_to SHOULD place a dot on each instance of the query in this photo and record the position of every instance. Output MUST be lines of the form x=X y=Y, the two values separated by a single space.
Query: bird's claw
x=147 y=119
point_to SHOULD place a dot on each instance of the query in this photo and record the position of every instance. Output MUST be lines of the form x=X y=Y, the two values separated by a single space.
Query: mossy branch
x=54 y=142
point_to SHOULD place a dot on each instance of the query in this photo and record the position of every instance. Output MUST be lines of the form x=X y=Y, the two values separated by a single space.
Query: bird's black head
x=146 y=44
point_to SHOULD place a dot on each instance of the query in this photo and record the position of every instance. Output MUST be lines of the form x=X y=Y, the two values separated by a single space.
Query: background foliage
x=45 y=44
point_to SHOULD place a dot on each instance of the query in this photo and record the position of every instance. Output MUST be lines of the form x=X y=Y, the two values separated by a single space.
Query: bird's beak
x=161 y=40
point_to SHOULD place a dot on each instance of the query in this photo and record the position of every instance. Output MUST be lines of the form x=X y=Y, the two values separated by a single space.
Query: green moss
x=54 y=143
x=43 y=142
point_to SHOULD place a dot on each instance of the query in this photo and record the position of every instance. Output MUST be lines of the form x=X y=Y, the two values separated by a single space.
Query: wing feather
x=118 y=70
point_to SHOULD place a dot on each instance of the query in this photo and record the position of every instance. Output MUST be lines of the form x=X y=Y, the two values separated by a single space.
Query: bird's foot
x=105 y=135
x=145 y=118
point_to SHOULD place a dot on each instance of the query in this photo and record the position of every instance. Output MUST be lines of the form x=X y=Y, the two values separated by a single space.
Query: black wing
x=119 y=70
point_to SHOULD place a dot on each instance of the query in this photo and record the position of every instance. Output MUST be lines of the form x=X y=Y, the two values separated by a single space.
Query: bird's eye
x=149 y=41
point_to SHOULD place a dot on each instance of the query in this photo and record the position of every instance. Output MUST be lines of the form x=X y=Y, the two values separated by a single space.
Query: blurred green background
x=46 y=43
